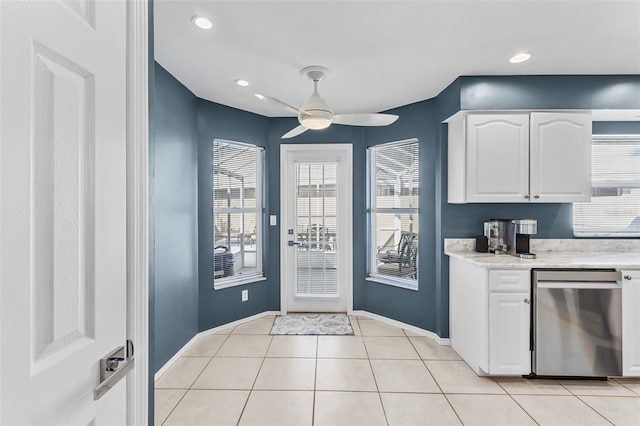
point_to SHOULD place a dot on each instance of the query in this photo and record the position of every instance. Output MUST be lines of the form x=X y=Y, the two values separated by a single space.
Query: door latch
x=113 y=367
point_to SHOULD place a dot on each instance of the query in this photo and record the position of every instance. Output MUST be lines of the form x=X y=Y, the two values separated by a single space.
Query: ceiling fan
x=316 y=114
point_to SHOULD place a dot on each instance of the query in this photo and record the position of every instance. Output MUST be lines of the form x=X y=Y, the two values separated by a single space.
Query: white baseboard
x=174 y=358
x=214 y=330
x=412 y=328
x=238 y=322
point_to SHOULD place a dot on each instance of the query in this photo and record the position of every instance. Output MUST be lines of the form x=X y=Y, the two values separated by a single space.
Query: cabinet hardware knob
x=527 y=196
x=527 y=301
x=627 y=277
x=536 y=196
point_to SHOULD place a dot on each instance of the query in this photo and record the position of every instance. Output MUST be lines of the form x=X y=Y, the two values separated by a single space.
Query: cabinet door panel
x=560 y=157
x=497 y=158
x=631 y=323
x=509 y=331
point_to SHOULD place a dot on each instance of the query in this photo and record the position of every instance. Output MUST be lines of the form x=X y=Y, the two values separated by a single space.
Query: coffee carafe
x=496 y=232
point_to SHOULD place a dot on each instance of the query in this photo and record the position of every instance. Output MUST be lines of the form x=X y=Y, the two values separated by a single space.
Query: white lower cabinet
x=490 y=318
x=631 y=323
x=509 y=322
x=509 y=331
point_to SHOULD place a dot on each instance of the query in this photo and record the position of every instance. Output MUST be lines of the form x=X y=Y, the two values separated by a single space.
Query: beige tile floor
x=383 y=375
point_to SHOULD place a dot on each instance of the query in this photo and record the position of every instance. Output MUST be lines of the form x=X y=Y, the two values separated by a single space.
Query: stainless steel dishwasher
x=577 y=322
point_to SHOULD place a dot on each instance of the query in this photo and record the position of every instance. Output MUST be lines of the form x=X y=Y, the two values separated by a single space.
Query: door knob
x=627 y=277
x=527 y=301
x=527 y=196
x=536 y=196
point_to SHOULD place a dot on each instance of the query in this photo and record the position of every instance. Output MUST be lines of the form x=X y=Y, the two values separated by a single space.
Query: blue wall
x=224 y=306
x=173 y=229
x=550 y=91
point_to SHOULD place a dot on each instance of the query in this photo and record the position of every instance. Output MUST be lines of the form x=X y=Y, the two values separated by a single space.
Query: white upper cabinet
x=520 y=157
x=560 y=157
x=497 y=158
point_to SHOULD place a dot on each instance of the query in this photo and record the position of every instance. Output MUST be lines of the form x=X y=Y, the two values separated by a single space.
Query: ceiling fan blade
x=364 y=119
x=294 y=132
x=285 y=105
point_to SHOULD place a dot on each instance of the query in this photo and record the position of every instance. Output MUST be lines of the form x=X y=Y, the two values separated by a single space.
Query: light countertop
x=618 y=254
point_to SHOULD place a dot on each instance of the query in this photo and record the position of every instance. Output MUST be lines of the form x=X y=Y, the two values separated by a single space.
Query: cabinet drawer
x=509 y=280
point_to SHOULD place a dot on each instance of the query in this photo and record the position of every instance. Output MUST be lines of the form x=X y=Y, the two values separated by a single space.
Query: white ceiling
x=384 y=54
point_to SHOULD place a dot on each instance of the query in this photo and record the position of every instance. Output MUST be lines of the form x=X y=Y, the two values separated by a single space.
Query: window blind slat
x=615 y=189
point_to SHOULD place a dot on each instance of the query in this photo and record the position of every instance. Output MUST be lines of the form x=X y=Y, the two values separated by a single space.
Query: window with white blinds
x=393 y=191
x=238 y=170
x=614 y=210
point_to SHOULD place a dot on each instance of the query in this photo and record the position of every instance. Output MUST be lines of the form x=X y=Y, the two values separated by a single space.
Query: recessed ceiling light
x=243 y=83
x=520 y=57
x=202 y=22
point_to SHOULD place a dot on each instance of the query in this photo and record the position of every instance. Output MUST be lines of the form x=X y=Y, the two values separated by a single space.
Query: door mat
x=312 y=324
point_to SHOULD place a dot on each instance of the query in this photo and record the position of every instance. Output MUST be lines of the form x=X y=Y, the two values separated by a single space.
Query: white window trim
x=246 y=279
x=599 y=234
x=371 y=258
x=237 y=280
x=396 y=282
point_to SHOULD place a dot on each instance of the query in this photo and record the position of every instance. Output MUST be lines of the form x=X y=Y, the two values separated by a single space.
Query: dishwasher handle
x=580 y=285
x=577 y=275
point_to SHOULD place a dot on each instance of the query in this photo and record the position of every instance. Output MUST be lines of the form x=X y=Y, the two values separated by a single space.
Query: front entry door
x=316 y=224
x=62 y=209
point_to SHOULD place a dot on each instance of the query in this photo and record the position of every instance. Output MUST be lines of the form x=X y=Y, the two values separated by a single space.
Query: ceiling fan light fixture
x=318 y=121
x=315 y=114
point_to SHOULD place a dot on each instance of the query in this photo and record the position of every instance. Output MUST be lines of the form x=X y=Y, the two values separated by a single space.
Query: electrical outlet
x=245 y=295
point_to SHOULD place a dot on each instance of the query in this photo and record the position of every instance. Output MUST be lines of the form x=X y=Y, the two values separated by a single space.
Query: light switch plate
x=245 y=295
x=273 y=220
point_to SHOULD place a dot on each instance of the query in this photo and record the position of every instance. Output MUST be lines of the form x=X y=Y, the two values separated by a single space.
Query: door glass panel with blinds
x=316 y=228
x=614 y=209
x=393 y=213
x=237 y=212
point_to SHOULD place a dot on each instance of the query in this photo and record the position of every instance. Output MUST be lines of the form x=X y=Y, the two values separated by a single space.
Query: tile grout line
x=637 y=394
x=244 y=407
x=516 y=401
x=174 y=407
x=598 y=412
x=186 y=391
x=437 y=384
x=375 y=381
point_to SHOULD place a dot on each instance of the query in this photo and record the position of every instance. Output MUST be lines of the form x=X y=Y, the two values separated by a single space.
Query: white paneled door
x=316 y=224
x=63 y=209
